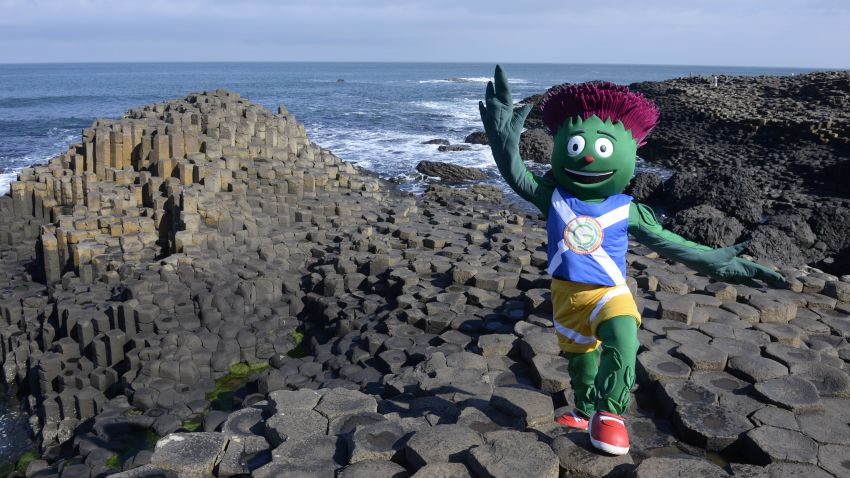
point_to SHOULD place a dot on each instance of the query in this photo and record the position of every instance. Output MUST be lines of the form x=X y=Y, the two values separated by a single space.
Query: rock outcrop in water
x=159 y=277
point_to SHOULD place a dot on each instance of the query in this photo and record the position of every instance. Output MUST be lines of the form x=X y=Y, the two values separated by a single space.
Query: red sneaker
x=608 y=433
x=573 y=420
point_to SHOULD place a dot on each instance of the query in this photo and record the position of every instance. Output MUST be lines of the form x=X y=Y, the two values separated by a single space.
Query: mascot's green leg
x=582 y=369
x=616 y=375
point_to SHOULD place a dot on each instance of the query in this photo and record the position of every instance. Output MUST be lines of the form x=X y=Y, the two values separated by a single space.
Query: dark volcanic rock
x=536 y=145
x=706 y=225
x=449 y=172
x=771 y=245
x=437 y=141
x=444 y=148
x=727 y=190
x=477 y=137
x=645 y=187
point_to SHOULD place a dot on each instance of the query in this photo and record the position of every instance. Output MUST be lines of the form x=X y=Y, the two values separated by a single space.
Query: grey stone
x=793 y=393
x=492 y=345
x=835 y=459
x=655 y=467
x=294 y=424
x=443 y=470
x=533 y=407
x=317 y=452
x=247 y=426
x=552 y=372
x=829 y=381
x=712 y=427
x=373 y=469
x=823 y=427
x=189 y=454
x=378 y=441
x=775 y=417
x=654 y=366
x=288 y=400
x=671 y=394
x=767 y=445
x=702 y=356
x=342 y=401
x=578 y=457
x=440 y=444
x=756 y=369
x=795 y=470
x=678 y=308
x=789 y=355
x=509 y=453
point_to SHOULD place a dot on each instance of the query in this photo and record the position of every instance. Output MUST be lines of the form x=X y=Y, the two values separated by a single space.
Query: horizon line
x=47 y=63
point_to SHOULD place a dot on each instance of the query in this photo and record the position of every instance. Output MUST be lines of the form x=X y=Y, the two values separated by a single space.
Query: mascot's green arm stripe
x=533 y=189
x=644 y=227
x=722 y=264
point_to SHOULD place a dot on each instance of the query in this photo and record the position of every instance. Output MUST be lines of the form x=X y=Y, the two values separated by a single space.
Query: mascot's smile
x=588 y=177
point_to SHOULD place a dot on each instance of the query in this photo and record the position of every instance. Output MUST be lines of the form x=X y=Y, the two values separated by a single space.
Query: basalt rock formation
x=160 y=275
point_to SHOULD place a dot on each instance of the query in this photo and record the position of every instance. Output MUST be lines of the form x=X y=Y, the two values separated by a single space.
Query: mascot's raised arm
x=598 y=128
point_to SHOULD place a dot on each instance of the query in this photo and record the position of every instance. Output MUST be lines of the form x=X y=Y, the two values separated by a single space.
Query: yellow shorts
x=578 y=309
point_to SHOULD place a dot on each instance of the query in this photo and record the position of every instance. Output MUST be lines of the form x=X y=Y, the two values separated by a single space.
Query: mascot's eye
x=604 y=147
x=575 y=146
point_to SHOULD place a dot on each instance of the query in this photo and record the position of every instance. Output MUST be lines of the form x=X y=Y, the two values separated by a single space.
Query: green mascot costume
x=597 y=128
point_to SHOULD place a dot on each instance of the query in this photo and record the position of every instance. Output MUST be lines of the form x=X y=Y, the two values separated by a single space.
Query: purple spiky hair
x=603 y=99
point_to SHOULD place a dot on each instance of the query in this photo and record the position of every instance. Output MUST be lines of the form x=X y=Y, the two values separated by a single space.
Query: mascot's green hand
x=725 y=264
x=502 y=123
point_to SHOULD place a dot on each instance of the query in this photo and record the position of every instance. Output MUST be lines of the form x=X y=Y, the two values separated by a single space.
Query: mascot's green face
x=593 y=159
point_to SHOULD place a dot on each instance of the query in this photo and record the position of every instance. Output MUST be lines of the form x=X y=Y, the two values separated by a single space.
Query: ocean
x=377 y=116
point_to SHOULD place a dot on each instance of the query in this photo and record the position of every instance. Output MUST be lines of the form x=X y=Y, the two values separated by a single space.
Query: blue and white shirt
x=588 y=241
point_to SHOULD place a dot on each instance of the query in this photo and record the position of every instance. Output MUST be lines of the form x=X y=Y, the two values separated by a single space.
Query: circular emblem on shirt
x=583 y=235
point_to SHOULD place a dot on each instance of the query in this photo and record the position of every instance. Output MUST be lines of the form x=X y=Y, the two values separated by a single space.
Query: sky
x=767 y=33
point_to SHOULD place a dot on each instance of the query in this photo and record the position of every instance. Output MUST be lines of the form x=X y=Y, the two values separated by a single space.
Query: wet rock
x=529 y=405
x=536 y=145
x=691 y=467
x=645 y=187
x=443 y=148
x=552 y=372
x=756 y=369
x=378 y=441
x=835 y=459
x=793 y=393
x=712 y=427
x=707 y=225
x=295 y=423
x=672 y=394
x=579 y=458
x=767 y=445
x=373 y=469
x=189 y=454
x=829 y=381
x=449 y=172
x=476 y=137
x=443 y=470
x=655 y=366
x=510 y=453
x=342 y=401
x=440 y=444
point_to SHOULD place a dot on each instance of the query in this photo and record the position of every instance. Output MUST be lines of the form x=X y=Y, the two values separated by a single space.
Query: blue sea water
x=378 y=116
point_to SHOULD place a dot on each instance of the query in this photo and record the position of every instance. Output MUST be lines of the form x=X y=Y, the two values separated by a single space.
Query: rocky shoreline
x=196 y=289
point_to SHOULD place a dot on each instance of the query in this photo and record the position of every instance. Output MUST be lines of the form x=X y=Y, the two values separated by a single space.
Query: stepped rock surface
x=159 y=275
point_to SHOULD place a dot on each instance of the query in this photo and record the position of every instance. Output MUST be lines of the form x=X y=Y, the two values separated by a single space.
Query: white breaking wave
x=472 y=79
x=5 y=180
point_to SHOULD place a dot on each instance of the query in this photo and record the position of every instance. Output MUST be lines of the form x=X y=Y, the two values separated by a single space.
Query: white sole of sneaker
x=610 y=449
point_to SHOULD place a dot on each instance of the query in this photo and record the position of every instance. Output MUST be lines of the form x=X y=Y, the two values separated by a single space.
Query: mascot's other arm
x=722 y=264
x=503 y=126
